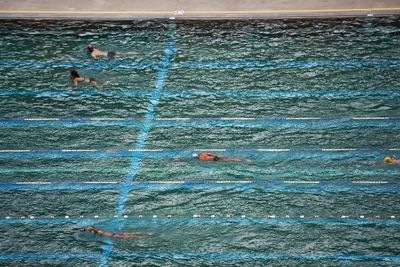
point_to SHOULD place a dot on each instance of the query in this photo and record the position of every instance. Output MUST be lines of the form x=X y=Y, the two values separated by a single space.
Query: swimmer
x=391 y=160
x=76 y=78
x=93 y=229
x=98 y=53
x=213 y=157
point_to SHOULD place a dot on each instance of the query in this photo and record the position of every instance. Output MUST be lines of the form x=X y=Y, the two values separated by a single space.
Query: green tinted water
x=318 y=68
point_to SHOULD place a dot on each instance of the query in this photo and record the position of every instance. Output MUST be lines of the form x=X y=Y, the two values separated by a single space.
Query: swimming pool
x=313 y=104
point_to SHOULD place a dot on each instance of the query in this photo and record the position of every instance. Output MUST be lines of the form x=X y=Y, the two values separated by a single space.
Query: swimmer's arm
x=102 y=233
x=76 y=81
x=235 y=159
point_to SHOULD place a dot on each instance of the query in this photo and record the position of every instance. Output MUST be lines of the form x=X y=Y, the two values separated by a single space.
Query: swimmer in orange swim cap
x=213 y=157
x=391 y=160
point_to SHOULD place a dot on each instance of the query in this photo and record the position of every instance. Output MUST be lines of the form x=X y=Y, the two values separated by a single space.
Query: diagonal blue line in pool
x=107 y=247
x=160 y=79
x=162 y=72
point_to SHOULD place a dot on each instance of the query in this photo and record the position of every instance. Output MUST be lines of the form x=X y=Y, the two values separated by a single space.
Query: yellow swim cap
x=388 y=160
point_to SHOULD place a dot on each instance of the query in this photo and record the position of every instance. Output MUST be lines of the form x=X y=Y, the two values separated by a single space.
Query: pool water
x=311 y=105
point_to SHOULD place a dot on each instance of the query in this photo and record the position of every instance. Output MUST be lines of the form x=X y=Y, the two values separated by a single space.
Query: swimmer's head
x=74 y=74
x=90 y=48
x=388 y=160
x=89 y=229
x=195 y=156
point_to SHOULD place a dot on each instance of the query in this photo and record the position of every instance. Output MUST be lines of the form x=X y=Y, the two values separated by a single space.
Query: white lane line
x=301 y=182
x=79 y=150
x=208 y=118
x=159 y=182
x=173 y=119
x=235 y=119
x=33 y=183
x=338 y=149
x=370 y=182
x=370 y=118
x=273 y=149
x=145 y=150
x=99 y=182
x=233 y=182
x=212 y=149
x=41 y=119
x=304 y=118
x=14 y=150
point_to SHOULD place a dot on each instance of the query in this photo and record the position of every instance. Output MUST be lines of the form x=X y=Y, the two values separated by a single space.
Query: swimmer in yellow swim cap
x=391 y=160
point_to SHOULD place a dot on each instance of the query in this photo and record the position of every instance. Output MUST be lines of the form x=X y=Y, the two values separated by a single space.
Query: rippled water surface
x=170 y=92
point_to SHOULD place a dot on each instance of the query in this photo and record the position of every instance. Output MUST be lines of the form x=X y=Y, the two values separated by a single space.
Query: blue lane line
x=288 y=93
x=83 y=221
x=240 y=256
x=371 y=153
x=123 y=64
x=52 y=170
x=389 y=93
x=117 y=64
x=287 y=64
x=209 y=256
x=288 y=182
x=61 y=186
x=209 y=123
x=52 y=256
x=64 y=93
x=265 y=186
x=235 y=256
x=107 y=247
x=162 y=221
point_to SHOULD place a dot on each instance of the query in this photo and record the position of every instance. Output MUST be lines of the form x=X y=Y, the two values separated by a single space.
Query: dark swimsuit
x=111 y=54
x=90 y=79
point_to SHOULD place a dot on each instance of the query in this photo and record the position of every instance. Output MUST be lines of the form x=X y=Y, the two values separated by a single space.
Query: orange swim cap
x=388 y=160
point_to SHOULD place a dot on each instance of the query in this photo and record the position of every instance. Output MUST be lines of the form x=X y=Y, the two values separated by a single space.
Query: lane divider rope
x=178 y=182
x=202 y=119
x=200 y=216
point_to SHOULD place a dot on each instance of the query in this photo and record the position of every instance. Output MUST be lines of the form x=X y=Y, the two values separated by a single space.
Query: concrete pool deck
x=194 y=9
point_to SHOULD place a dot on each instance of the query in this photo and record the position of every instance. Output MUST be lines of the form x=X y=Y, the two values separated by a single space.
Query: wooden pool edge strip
x=207 y=14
